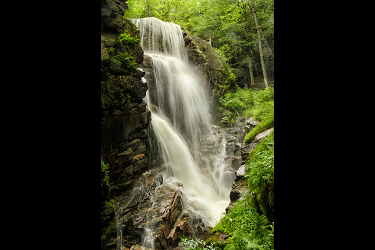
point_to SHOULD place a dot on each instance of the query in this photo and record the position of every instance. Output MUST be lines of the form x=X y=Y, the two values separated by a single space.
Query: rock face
x=210 y=67
x=158 y=207
x=124 y=117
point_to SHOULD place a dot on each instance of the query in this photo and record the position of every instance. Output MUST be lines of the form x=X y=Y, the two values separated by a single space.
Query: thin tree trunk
x=255 y=67
x=247 y=31
x=260 y=45
x=250 y=64
x=251 y=70
x=264 y=38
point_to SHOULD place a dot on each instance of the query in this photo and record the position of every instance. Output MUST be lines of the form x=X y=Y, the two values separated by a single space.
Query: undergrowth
x=247 y=228
x=247 y=103
x=196 y=244
x=259 y=172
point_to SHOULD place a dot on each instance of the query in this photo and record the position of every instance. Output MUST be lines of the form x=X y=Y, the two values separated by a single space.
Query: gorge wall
x=134 y=184
x=124 y=117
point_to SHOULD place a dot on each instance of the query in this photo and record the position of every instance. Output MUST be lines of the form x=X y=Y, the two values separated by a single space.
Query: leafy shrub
x=127 y=37
x=125 y=59
x=247 y=228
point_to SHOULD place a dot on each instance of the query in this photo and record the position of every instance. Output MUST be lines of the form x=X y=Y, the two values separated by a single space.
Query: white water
x=182 y=122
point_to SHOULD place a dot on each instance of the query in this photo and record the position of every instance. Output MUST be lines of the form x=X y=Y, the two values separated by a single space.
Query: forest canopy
x=229 y=24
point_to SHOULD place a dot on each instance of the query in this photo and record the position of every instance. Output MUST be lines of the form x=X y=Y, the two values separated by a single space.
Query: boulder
x=247 y=148
x=153 y=205
x=238 y=190
x=251 y=122
x=240 y=173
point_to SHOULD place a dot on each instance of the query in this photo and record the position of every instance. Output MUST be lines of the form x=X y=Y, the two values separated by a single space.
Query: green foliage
x=111 y=205
x=230 y=24
x=196 y=244
x=247 y=103
x=127 y=37
x=262 y=126
x=125 y=59
x=104 y=169
x=259 y=171
x=111 y=49
x=247 y=228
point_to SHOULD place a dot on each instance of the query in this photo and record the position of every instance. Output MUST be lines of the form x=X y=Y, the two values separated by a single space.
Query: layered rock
x=124 y=117
x=158 y=207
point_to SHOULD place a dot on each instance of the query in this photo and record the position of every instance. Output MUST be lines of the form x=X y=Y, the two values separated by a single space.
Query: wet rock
x=180 y=228
x=190 y=226
x=231 y=138
x=235 y=130
x=151 y=204
x=240 y=173
x=236 y=162
x=164 y=213
x=251 y=122
x=138 y=247
x=238 y=190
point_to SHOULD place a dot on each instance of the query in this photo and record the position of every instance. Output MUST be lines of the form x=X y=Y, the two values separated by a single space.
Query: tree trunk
x=247 y=31
x=250 y=64
x=260 y=45
x=255 y=67
x=269 y=48
x=251 y=70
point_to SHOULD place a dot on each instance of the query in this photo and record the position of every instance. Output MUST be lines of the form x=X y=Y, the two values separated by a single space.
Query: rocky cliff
x=135 y=198
x=124 y=117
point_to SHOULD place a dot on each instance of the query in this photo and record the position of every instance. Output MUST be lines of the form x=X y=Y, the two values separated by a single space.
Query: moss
x=262 y=126
x=218 y=238
x=108 y=233
x=179 y=206
x=125 y=60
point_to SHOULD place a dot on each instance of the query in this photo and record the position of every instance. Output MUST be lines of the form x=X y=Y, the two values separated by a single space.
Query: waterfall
x=181 y=122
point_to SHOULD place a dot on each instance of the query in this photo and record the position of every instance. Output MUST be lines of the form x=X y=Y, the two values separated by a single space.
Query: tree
x=260 y=44
x=228 y=23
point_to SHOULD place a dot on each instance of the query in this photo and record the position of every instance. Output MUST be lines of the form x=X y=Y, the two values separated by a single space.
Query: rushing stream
x=182 y=124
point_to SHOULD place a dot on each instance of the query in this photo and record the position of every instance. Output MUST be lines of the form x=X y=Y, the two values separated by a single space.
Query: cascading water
x=182 y=121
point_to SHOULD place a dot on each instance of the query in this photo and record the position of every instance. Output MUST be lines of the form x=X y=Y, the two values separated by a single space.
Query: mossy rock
x=108 y=233
x=220 y=239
